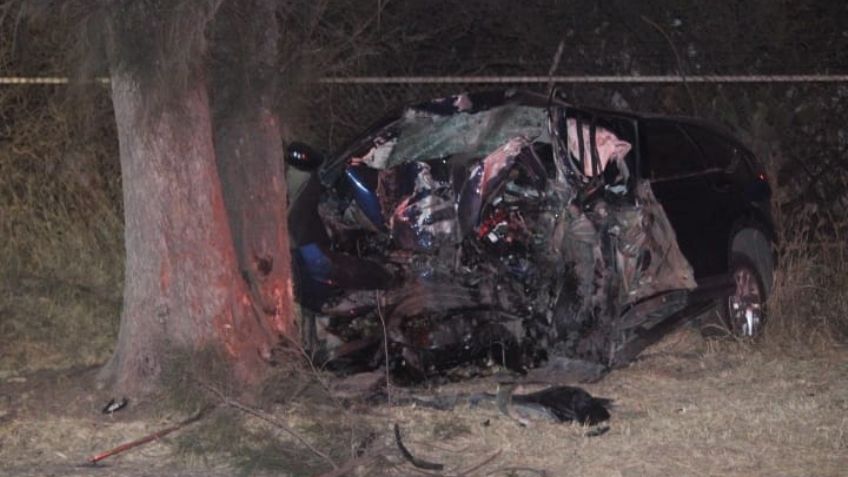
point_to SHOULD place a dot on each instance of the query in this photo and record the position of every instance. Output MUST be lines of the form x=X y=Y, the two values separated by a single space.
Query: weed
x=290 y=426
x=185 y=372
x=447 y=429
x=808 y=308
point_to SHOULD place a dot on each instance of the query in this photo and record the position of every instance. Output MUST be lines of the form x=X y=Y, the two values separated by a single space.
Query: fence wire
x=794 y=127
x=799 y=113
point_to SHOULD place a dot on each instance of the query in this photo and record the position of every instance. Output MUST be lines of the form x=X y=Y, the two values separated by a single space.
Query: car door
x=678 y=173
x=727 y=175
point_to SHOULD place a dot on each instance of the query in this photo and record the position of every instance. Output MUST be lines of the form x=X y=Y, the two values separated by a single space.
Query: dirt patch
x=683 y=409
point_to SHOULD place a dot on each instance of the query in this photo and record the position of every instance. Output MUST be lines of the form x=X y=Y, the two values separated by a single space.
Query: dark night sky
x=611 y=37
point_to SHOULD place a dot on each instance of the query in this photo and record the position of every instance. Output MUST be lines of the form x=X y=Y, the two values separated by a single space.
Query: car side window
x=670 y=152
x=718 y=152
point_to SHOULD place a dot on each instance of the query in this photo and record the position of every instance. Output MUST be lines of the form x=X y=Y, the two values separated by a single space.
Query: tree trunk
x=250 y=156
x=249 y=152
x=182 y=287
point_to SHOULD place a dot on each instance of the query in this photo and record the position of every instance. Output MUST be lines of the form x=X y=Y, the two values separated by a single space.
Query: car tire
x=743 y=313
x=754 y=247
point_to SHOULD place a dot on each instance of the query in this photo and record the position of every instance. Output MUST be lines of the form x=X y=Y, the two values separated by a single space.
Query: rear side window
x=721 y=154
x=718 y=152
x=670 y=152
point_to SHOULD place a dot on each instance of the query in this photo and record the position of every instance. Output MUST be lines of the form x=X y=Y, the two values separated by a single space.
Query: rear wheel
x=755 y=248
x=742 y=313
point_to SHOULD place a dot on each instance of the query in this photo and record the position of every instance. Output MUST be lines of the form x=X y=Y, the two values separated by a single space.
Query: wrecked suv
x=514 y=229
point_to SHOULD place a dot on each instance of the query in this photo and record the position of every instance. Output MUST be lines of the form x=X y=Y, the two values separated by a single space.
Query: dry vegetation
x=61 y=227
x=809 y=308
x=685 y=408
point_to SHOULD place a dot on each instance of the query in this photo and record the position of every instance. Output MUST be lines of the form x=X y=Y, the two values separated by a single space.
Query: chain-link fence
x=794 y=127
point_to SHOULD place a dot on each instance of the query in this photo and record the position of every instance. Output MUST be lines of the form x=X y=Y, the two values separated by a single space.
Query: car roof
x=496 y=97
x=535 y=99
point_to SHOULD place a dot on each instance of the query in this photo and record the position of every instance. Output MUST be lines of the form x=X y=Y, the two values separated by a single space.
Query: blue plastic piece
x=366 y=198
x=316 y=264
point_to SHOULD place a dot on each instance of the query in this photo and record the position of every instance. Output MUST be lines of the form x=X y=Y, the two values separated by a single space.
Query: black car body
x=512 y=228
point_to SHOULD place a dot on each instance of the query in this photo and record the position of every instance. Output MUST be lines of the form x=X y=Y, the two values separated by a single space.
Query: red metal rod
x=144 y=440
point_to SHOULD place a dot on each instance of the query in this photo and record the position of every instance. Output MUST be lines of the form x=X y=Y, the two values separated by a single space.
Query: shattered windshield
x=421 y=135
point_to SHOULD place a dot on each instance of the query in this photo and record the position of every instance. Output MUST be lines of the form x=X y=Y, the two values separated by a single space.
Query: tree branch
x=680 y=70
x=270 y=419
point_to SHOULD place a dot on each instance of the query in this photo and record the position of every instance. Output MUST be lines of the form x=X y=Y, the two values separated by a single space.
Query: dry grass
x=60 y=219
x=687 y=407
x=808 y=309
x=684 y=409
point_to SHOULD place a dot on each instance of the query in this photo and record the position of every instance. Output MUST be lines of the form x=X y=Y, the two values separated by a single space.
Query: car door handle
x=722 y=184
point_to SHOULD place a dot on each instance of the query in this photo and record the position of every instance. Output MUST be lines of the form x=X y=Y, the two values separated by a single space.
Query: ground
x=686 y=407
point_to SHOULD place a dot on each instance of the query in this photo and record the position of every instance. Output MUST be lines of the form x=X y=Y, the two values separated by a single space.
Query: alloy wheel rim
x=745 y=306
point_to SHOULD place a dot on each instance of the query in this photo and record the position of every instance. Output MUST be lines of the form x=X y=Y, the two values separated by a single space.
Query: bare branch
x=680 y=69
x=555 y=65
x=420 y=463
x=270 y=419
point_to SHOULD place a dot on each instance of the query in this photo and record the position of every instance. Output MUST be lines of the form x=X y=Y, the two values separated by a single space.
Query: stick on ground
x=149 y=438
x=421 y=464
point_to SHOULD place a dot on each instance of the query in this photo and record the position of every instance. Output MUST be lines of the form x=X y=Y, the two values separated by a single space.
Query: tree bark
x=182 y=287
x=249 y=150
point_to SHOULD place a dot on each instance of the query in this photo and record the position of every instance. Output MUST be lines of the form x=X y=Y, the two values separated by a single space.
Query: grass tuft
x=249 y=448
x=808 y=308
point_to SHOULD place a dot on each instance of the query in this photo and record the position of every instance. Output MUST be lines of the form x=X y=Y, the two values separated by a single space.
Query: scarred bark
x=249 y=150
x=182 y=287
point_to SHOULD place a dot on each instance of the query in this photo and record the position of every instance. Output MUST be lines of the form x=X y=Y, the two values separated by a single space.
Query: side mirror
x=303 y=157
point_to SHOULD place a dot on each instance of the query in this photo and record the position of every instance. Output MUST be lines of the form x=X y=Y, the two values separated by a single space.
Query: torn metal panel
x=648 y=256
x=426 y=217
